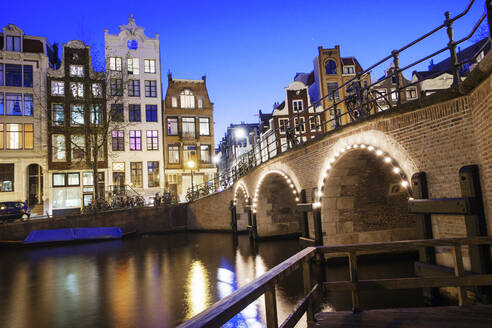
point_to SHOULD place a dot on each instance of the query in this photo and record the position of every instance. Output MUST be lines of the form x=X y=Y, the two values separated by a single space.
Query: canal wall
x=143 y=220
x=211 y=213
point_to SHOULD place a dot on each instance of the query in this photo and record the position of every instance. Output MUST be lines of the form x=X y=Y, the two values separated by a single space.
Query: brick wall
x=211 y=212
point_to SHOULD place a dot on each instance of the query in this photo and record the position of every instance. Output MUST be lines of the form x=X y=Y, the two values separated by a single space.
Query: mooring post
x=232 y=207
x=476 y=226
x=305 y=220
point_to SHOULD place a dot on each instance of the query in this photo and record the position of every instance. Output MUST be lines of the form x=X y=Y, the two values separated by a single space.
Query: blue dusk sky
x=250 y=50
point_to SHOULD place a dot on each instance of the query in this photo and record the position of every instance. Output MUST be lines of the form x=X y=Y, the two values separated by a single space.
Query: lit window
x=411 y=93
x=136 y=174
x=174 y=101
x=189 y=153
x=29 y=136
x=153 y=174
x=173 y=154
x=188 y=126
x=78 y=146
x=7 y=177
x=77 y=89
x=152 y=140
x=14 y=104
x=66 y=197
x=59 y=179
x=394 y=94
x=59 y=147
x=135 y=140
x=58 y=114
x=204 y=123
x=200 y=102
x=73 y=179
x=87 y=179
x=57 y=88
x=297 y=105
x=14 y=136
x=330 y=67
x=118 y=140
x=28 y=105
x=205 y=153
x=13 y=43
x=97 y=90
x=77 y=115
x=134 y=88
x=115 y=63
x=133 y=67
x=172 y=126
x=187 y=99
x=149 y=66
x=151 y=89
x=77 y=70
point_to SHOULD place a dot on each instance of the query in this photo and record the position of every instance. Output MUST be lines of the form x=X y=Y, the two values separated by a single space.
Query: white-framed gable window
x=297 y=105
x=133 y=66
x=77 y=70
x=97 y=90
x=301 y=124
x=57 y=88
x=77 y=89
x=149 y=66
x=283 y=124
x=13 y=43
x=349 y=70
x=174 y=101
x=115 y=63
x=187 y=99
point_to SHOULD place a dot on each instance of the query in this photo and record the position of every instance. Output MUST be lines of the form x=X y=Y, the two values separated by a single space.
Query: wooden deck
x=445 y=316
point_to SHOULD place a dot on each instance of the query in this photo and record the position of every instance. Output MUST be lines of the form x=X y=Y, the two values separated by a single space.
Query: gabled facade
x=24 y=62
x=387 y=86
x=189 y=135
x=76 y=109
x=136 y=161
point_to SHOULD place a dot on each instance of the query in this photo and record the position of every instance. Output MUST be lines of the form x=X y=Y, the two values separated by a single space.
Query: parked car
x=14 y=210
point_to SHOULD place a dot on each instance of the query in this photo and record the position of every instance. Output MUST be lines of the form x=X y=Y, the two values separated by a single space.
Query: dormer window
x=13 y=43
x=77 y=70
x=187 y=99
x=348 y=70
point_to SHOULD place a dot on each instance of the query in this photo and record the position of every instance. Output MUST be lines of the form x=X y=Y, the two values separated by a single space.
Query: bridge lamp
x=362 y=146
x=332 y=160
x=215 y=159
x=371 y=148
x=396 y=170
x=379 y=152
x=191 y=165
x=387 y=159
x=356 y=146
x=297 y=199
x=404 y=183
x=342 y=150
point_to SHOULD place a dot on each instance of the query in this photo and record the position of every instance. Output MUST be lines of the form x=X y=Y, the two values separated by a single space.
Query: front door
x=35 y=185
x=118 y=183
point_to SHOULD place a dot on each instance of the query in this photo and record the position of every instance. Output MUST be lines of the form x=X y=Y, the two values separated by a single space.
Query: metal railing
x=225 y=309
x=360 y=102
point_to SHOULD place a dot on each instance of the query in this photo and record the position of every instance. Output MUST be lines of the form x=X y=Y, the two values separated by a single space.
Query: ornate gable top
x=132 y=28
x=12 y=30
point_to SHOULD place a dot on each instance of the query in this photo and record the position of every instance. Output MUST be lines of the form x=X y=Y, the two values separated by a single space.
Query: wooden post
x=318 y=229
x=459 y=272
x=271 y=308
x=255 y=227
x=476 y=226
x=305 y=220
x=306 y=277
x=233 y=219
x=424 y=231
x=354 y=279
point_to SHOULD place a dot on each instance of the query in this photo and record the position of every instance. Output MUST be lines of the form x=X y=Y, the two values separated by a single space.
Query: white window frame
x=149 y=66
x=115 y=64
x=283 y=127
x=77 y=89
x=133 y=66
x=295 y=105
x=348 y=68
x=55 y=150
x=77 y=70
x=57 y=88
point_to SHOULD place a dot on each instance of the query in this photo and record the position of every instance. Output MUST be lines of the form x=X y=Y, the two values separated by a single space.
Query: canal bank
x=143 y=220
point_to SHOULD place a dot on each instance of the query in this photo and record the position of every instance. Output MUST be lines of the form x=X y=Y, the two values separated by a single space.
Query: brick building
x=189 y=135
x=76 y=103
x=24 y=61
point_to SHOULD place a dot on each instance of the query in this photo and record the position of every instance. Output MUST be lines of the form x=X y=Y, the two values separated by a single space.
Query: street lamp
x=191 y=165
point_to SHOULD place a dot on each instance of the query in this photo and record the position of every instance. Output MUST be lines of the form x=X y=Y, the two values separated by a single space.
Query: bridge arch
x=241 y=200
x=274 y=203
x=363 y=192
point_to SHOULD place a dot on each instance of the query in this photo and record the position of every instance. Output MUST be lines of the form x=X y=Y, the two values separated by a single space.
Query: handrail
x=228 y=307
x=270 y=143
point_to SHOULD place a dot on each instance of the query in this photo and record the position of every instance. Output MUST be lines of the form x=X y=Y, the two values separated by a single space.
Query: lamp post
x=191 y=165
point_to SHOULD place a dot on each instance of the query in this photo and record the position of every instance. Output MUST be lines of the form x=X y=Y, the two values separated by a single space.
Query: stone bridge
x=360 y=174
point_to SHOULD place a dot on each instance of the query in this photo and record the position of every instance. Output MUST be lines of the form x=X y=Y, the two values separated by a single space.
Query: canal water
x=159 y=281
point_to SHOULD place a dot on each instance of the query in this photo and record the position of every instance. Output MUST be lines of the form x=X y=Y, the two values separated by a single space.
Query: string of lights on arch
x=245 y=192
x=387 y=159
x=289 y=182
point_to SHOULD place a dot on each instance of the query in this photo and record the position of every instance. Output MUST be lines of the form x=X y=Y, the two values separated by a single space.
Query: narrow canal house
x=189 y=135
x=24 y=62
x=136 y=159
x=76 y=106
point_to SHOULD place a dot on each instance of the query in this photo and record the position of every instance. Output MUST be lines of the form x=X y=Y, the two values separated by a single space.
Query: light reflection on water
x=150 y=281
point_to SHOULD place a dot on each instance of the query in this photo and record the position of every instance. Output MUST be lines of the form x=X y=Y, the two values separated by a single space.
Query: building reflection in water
x=197 y=289
x=121 y=279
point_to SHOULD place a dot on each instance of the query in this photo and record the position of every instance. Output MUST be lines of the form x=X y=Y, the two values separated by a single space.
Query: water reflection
x=197 y=289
